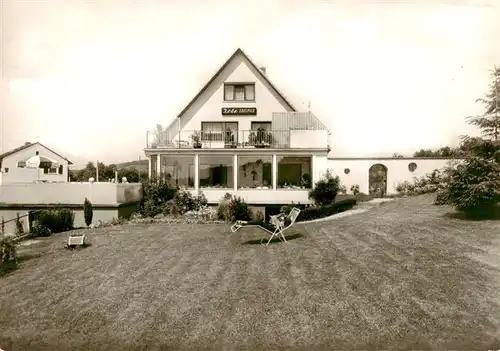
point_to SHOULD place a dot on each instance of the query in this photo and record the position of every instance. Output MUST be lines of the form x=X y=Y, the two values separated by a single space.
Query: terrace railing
x=217 y=139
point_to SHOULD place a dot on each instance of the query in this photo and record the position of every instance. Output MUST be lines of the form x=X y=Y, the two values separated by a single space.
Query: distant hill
x=142 y=165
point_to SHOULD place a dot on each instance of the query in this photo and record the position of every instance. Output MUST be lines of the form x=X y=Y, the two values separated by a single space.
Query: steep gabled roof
x=27 y=145
x=221 y=69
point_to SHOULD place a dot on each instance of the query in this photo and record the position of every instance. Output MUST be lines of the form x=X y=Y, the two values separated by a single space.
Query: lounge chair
x=279 y=222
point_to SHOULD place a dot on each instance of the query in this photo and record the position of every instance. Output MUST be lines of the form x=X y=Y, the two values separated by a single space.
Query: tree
x=445 y=151
x=88 y=212
x=474 y=186
x=325 y=190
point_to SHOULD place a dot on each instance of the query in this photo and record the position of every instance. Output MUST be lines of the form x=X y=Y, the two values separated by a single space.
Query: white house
x=240 y=135
x=33 y=162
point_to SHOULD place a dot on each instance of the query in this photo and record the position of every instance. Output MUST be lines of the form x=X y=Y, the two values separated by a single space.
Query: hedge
x=311 y=213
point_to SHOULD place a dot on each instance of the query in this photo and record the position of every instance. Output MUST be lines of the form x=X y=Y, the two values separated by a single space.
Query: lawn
x=400 y=276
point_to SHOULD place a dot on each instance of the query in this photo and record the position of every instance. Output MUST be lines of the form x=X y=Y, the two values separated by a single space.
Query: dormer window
x=239 y=92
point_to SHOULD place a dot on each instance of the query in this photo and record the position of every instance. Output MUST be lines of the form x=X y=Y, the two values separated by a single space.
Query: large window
x=226 y=132
x=262 y=126
x=216 y=171
x=255 y=172
x=239 y=92
x=294 y=172
x=178 y=170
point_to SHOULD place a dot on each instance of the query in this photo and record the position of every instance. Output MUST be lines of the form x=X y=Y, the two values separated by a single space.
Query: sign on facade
x=241 y=111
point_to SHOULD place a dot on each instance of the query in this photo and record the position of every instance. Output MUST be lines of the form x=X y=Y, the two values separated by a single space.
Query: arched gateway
x=377 y=180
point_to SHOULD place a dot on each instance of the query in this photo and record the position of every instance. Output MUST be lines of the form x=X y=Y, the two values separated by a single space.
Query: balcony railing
x=216 y=139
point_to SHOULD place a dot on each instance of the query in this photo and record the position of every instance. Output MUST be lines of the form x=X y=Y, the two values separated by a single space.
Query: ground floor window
x=294 y=172
x=178 y=170
x=255 y=172
x=216 y=171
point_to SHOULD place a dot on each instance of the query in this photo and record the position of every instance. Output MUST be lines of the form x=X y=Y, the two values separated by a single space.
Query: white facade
x=227 y=158
x=13 y=169
x=275 y=165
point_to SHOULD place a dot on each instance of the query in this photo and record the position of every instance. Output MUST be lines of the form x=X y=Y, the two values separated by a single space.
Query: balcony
x=238 y=139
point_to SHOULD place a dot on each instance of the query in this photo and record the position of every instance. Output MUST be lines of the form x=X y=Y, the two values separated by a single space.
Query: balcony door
x=262 y=125
x=226 y=132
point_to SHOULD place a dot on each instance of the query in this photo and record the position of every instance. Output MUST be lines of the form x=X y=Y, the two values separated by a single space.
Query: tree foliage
x=444 y=151
x=107 y=172
x=88 y=212
x=325 y=190
x=474 y=185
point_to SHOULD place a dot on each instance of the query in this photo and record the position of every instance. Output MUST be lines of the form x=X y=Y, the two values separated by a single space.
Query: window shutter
x=60 y=169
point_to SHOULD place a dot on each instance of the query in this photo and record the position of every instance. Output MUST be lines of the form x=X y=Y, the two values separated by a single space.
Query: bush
x=325 y=190
x=156 y=193
x=233 y=208
x=429 y=183
x=8 y=256
x=87 y=212
x=203 y=214
x=19 y=225
x=311 y=213
x=40 y=230
x=259 y=216
x=8 y=252
x=355 y=189
x=473 y=188
x=56 y=221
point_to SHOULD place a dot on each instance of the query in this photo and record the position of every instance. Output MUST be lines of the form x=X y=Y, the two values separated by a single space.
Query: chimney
x=263 y=69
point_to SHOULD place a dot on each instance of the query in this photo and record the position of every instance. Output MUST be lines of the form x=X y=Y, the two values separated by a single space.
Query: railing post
x=275 y=172
x=197 y=173
x=149 y=167
x=235 y=172
x=158 y=166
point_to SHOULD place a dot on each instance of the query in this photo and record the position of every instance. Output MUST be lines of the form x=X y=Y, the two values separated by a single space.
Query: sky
x=89 y=78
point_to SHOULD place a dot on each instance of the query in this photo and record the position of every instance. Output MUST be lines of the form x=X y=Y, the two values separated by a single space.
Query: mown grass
x=400 y=276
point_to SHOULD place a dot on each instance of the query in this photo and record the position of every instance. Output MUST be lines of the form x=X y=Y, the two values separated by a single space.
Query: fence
x=18 y=218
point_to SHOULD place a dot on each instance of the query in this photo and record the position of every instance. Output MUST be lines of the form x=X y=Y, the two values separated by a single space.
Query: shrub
x=325 y=190
x=40 y=230
x=19 y=225
x=171 y=208
x=156 y=192
x=203 y=214
x=355 y=189
x=259 y=216
x=59 y=220
x=184 y=201
x=8 y=252
x=87 y=212
x=325 y=211
x=233 y=209
x=473 y=188
x=429 y=183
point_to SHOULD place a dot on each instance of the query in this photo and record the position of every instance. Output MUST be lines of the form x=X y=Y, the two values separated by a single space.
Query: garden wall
x=353 y=171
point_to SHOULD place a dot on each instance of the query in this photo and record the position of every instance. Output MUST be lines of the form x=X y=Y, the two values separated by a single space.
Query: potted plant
x=260 y=139
x=195 y=137
x=306 y=180
x=229 y=139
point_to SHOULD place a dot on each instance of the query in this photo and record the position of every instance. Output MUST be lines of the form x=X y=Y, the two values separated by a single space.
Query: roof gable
x=260 y=75
x=28 y=145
